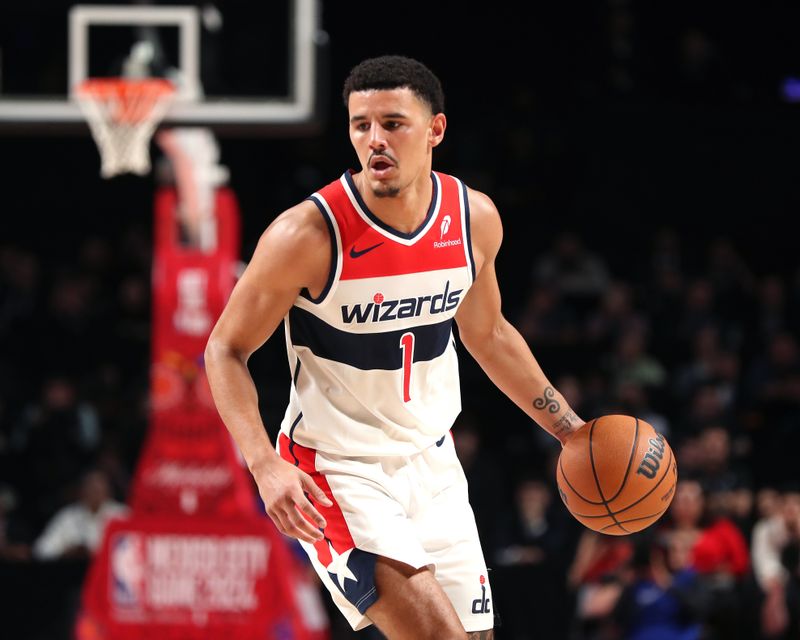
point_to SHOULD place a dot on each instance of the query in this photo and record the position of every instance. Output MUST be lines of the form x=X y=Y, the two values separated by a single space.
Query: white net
x=123 y=114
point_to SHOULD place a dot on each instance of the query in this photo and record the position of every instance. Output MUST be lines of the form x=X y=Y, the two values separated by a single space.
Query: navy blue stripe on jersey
x=334 y=255
x=296 y=372
x=467 y=232
x=291 y=438
x=380 y=223
x=366 y=350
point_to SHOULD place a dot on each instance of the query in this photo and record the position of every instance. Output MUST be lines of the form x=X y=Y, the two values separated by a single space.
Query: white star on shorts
x=338 y=566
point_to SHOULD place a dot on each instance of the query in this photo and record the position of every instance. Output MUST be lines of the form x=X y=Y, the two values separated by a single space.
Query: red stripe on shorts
x=336 y=529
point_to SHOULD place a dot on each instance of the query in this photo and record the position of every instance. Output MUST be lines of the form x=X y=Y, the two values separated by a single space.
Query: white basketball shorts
x=414 y=509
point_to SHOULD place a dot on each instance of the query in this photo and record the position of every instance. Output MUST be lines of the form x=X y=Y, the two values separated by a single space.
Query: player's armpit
x=486 y=229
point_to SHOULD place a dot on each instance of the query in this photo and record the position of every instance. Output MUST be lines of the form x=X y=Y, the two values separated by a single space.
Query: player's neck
x=404 y=212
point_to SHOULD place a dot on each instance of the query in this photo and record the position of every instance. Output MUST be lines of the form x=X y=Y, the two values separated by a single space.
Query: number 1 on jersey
x=407 y=346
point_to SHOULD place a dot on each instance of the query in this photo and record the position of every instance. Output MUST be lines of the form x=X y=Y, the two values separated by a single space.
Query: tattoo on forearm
x=565 y=423
x=548 y=401
x=481 y=635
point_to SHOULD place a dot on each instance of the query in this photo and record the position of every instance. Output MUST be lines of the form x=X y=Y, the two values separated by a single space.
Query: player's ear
x=438 y=125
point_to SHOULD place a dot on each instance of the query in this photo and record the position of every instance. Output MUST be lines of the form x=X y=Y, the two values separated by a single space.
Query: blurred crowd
x=708 y=356
x=74 y=358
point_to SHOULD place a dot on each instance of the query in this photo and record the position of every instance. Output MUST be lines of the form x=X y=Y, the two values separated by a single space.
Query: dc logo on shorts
x=481 y=605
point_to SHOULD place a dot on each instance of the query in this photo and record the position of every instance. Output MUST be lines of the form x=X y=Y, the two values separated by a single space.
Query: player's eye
x=391 y=125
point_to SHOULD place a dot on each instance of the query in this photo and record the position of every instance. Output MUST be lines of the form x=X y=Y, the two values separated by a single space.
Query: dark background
x=611 y=119
x=618 y=121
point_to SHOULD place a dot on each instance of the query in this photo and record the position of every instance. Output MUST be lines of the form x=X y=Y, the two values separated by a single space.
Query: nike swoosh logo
x=354 y=253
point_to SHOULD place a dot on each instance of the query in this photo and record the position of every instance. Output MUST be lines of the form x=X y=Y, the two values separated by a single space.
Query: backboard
x=238 y=66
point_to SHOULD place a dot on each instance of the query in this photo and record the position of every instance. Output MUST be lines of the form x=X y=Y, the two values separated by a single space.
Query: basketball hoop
x=123 y=114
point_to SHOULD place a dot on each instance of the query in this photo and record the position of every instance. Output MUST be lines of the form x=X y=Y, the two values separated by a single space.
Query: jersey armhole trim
x=466 y=227
x=336 y=258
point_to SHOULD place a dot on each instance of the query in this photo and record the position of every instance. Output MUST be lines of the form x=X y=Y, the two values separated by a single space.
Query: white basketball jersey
x=373 y=358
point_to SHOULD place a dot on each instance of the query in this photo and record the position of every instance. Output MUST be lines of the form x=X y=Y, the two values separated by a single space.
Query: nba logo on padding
x=127 y=569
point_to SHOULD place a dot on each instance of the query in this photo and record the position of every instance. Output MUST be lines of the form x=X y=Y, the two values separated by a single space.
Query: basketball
x=617 y=475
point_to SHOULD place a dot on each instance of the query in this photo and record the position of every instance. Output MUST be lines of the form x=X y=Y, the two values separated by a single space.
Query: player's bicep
x=480 y=311
x=254 y=310
x=286 y=260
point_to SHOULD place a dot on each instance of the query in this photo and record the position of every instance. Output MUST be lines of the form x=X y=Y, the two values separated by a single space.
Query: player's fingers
x=277 y=517
x=306 y=507
x=301 y=528
x=289 y=526
x=309 y=486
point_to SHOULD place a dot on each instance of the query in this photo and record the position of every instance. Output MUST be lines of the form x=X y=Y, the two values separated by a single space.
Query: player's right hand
x=284 y=488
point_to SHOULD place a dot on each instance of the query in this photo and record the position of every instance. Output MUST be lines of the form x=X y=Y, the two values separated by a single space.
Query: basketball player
x=368 y=274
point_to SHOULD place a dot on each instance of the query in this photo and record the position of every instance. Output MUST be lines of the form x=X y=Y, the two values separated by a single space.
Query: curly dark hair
x=394 y=72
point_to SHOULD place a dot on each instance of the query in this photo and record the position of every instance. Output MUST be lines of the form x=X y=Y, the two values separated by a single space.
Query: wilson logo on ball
x=652 y=459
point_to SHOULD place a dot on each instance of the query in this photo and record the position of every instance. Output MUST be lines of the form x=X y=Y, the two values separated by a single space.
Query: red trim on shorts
x=336 y=529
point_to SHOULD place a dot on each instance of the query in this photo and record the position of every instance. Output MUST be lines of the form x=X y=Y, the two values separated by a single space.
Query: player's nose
x=376 y=139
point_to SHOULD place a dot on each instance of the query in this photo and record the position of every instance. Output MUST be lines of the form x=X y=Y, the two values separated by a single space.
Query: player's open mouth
x=380 y=166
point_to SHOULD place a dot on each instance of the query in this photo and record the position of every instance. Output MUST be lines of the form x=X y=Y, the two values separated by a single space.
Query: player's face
x=393 y=132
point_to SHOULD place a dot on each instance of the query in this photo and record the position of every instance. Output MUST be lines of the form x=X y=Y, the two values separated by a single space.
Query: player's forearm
x=507 y=360
x=237 y=403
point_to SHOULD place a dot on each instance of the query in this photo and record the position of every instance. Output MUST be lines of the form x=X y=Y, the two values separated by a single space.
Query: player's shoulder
x=483 y=215
x=299 y=227
x=480 y=203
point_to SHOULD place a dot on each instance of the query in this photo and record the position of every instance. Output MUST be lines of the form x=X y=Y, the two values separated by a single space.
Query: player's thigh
x=447 y=530
x=412 y=605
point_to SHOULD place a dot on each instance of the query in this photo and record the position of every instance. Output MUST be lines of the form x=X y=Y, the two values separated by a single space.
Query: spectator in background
x=595 y=578
x=13 y=532
x=536 y=540
x=664 y=293
x=76 y=530
x=659 y=601
x=710 y=543
x=132 y=328
x=688 y=450
x=731 y=279
x=702 y=73
x=768 y=503
x=53 y=440
x=20 y=279
x=634 y=400
x=770 y=313
x=666 y=253
x=614 y=317
x=776 y=565
x=72 y=331
x=697 y=312
x=772 y=390
x=699 y=367
x=546 y=321
x=20 y=301
x=717 y=468
x=728 y=482
x=705 y=407
x=631 y=362
x=793 y=302
x=534 y=532
x=581 y=276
